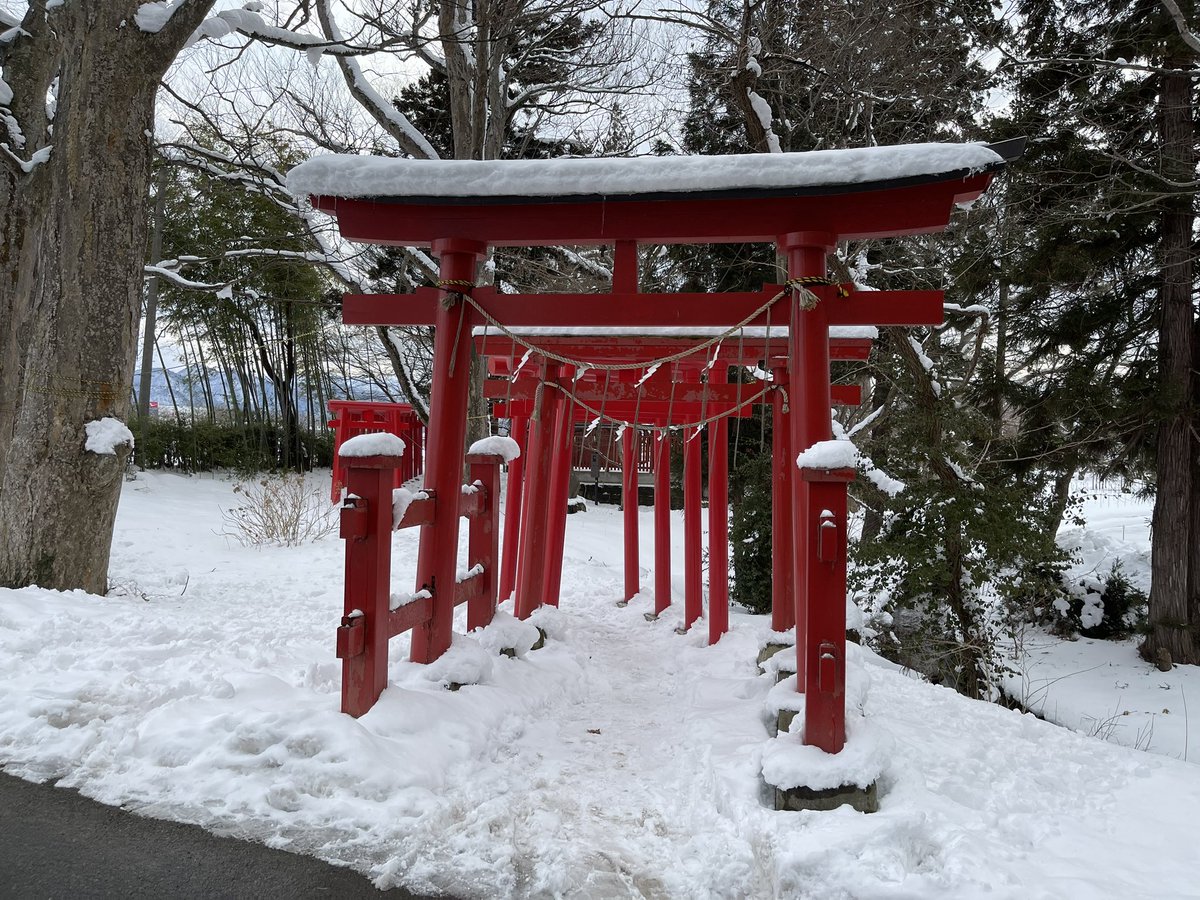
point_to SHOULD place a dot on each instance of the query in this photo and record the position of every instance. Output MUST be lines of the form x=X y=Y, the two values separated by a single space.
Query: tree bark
x=73 y=233
x=1174 y=580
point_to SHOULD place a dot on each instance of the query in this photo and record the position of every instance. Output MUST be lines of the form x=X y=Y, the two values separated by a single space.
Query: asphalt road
x=55 y=843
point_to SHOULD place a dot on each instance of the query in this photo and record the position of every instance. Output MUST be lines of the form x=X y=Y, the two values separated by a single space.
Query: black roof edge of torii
x=1009 y=151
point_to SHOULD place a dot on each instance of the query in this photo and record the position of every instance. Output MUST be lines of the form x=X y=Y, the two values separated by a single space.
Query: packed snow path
x=204 y=689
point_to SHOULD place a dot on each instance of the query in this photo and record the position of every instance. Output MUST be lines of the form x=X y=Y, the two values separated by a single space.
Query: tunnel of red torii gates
x=646 y=405
x=803 y=203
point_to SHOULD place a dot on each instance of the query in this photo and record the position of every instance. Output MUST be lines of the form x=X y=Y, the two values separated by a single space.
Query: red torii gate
x=804 y=203
x=658 y=402
x=652 y=402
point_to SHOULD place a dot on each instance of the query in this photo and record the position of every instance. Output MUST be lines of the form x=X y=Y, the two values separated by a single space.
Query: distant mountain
x=187 y=396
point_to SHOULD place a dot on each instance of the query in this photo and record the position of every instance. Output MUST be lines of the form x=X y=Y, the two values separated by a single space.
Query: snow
x=1103 y=688
x=762 y=109
x=153 y=17
x=829 y=455
x=507 y=632
x=504 y=447
x=248 y=21
x=105 y=435
x=373 y=176
x=622 y=759
x=402 y=499
x=377 y=444
x=788 y=763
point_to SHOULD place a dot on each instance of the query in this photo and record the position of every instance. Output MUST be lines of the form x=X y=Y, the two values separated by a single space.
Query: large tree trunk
x=74 y=239
x=1173 y=580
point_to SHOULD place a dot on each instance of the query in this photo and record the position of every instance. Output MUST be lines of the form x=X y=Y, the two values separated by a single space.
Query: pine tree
x=1109 y=274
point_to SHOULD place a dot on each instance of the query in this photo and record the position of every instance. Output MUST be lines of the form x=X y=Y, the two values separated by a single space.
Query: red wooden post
x=808 y=375
x=693 y=553
x=662 y=520
x=483 y=541
x=783 y=598
x=629 y=503
x=437 y=558
x=531 y=572
x=512 y=513
x=825 y=690
x=560 y=487
x=718 y=529
x=366 y=526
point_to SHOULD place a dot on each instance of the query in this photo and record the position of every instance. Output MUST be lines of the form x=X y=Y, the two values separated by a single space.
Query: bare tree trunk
x=1174 y=582
x=73 y=230
x=151 y=317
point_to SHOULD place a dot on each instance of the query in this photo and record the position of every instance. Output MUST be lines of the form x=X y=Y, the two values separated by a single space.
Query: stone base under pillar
x=863 y=799
x=770 y=650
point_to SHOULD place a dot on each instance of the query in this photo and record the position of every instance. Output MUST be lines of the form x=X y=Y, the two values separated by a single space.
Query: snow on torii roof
x=643 y=177
x=844 y=194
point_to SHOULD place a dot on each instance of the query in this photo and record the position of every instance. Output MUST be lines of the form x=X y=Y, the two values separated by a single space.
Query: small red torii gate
x=664 y=398
x=804 y=203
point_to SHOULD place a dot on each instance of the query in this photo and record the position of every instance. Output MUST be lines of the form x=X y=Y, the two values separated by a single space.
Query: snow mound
x=507 y=632
x=104 y=436
x=787 y=762
x=466 y=662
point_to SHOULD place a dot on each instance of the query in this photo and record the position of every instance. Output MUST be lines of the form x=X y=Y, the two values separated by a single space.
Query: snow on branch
x=248 y=22
x=389 y=118
x=153 y=17
x=1181 y=24
x=173 y=276
x=27 y=165
x=975 y=309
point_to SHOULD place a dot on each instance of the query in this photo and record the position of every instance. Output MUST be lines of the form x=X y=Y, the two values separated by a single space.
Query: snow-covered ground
x=620 y=760
x=1104 y=688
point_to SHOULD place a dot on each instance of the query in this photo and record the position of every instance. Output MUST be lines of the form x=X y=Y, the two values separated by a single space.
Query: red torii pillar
x=519 y=431
x=718 y=526
x=662 y=521
x=437 y=558
x=820 y=614
x=560 y=488
x=693 y=555
x=531 y=569
x=629 y=509
x=783 y=597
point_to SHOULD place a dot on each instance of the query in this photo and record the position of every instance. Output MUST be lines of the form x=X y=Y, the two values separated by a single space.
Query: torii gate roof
x=856 y=193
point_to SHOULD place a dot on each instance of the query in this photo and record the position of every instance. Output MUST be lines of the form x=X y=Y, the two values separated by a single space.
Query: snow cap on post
x=504 y=447
x=381 y=444
x=829 y=455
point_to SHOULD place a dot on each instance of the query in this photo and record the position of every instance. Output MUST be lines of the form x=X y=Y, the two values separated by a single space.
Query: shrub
x=1106 y=608
x=283 y=510
x=243 y=448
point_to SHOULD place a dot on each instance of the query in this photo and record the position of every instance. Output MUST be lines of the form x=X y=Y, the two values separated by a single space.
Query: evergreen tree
x=1106 y=284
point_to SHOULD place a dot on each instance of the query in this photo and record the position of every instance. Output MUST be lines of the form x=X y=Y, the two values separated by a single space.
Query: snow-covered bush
x=284 y=510
x=1100 y=607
